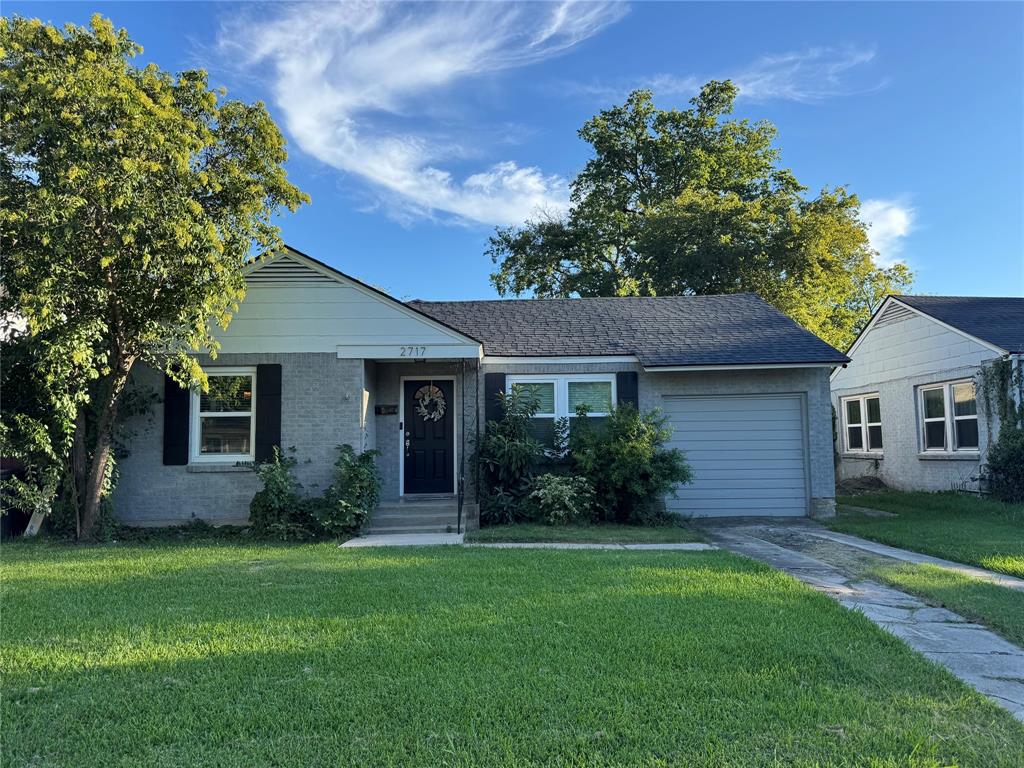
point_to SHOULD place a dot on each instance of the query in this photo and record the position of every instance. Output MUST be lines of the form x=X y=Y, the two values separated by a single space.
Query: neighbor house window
x=949 y=417
x=863 y=415
x=223 y=427
x=560 y=397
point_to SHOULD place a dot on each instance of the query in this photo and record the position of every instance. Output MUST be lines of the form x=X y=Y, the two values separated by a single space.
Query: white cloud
x=889 y=222
x=811 y=75
x=356 y=82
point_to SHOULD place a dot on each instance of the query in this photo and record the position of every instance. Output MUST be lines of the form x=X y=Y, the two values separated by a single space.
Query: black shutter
x=626 y=388
x=268 y=410
x=176 y=403
x=494 y=383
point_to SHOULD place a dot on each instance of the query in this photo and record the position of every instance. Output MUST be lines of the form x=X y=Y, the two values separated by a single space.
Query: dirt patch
x=855 y=486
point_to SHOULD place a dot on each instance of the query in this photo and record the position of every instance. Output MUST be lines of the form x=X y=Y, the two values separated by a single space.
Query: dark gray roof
x=998 y=321
x=738 y=329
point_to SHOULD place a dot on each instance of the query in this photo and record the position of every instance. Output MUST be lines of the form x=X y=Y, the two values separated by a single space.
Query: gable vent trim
x=894 y=314
x=286 y=270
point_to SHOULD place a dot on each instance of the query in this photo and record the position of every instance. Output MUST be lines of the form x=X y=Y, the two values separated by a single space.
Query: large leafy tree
x=131 y=198
x=689 y=202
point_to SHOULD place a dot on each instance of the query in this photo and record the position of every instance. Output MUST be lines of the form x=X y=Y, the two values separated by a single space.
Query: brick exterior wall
x=321 y=404
x=327 y=401
x=902 y=464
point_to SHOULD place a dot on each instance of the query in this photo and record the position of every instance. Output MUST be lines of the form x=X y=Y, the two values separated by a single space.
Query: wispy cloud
x=355 y=82
x=811 y=75
x=889 y=222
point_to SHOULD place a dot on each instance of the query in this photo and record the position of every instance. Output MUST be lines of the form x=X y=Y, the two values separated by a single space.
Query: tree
x=131 y=199
x=687 y=202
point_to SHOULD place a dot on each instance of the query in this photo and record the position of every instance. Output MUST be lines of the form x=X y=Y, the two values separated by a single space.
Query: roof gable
x=997 y=321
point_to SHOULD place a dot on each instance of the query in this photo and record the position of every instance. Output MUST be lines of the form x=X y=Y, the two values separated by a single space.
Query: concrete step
x=409 y=529
x=420 y=517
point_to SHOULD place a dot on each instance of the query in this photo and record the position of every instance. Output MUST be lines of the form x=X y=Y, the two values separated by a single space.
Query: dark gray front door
x=429 y=436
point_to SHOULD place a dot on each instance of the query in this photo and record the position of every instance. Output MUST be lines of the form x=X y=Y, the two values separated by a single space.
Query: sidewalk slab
x=403 y=540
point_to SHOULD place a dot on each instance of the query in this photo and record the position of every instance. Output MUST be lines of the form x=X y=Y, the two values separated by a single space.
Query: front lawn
x=589 y=534
x=311 y=655
x=953 y=526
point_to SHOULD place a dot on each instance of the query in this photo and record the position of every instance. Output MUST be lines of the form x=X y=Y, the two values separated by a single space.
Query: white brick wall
x=893 y=360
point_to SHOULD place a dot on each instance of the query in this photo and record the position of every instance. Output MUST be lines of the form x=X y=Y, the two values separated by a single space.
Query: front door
x=428 y=437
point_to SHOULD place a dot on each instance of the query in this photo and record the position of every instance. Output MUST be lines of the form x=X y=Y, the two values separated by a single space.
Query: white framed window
x=558 y=396
x=949 y=417
x=224 y=417
x=862 y=422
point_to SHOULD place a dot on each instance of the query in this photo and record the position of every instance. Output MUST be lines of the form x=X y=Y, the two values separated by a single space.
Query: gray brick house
x=906 y=407
x=314 y=358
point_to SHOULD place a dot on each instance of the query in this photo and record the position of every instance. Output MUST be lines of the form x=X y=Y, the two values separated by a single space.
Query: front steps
x=430 y=515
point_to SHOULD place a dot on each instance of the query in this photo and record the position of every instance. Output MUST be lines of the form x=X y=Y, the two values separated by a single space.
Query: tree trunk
x=97 y=472
x=78 y=468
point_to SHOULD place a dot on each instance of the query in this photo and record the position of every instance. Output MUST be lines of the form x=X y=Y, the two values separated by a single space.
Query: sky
x=419 y=128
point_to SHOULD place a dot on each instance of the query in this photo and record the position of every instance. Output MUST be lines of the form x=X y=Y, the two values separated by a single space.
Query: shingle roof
x=738 y=329
x=998 y=321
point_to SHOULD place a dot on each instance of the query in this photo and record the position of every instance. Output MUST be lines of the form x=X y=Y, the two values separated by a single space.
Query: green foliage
x=353 y=494
x=279 y=509
x=563 y=499
x=688 y=202
x=1005 y=464
x=626 y=460
x=506 y=457
x=130 y=199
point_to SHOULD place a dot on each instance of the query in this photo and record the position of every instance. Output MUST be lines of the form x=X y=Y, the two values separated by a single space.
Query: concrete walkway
x=403 y=540
x=689 y=546
x=992 y=665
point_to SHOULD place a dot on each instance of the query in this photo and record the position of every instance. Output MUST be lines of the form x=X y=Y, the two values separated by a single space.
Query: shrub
x=1006 y=464
x=626 y=460
x=506 y=458
x=279 y=510
x=561 y=499
x=353 y=493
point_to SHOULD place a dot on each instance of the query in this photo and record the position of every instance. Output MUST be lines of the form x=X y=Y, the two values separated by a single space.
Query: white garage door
x=747 y=455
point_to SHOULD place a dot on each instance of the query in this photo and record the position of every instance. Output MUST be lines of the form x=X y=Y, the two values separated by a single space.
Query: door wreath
x=430 y=403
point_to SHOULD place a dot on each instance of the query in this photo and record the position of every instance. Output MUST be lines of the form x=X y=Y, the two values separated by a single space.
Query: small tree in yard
x=130 y=199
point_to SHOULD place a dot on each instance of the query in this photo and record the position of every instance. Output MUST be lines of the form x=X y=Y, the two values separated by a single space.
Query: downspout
x=462 y=445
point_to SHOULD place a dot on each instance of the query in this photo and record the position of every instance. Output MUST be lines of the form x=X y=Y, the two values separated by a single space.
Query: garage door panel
x=747 y=454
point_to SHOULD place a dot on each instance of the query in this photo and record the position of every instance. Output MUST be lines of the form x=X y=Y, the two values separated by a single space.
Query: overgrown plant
x=1001 y=387
x=279 y=510
x=353 y=494
x=506 y=459
x=626 y=458
x=563 y=499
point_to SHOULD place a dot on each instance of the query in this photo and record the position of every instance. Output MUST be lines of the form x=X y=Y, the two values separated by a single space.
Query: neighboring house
x=906 y=405
x=315 y=358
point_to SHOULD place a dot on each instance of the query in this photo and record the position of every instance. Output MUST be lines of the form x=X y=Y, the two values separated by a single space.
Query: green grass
x=251 y=655
x=599 y=534
x=953 y=526
x=998 y=608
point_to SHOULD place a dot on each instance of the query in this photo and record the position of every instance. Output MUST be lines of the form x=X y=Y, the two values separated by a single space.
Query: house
x=907 y=407
x=315 y=358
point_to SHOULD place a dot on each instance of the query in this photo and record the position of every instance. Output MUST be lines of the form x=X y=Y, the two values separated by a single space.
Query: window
x=223 y=427
x=863 y=415
x=949 y=417
x=559 y=396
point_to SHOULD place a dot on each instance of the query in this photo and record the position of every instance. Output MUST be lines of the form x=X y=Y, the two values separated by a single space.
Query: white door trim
x=401 y=432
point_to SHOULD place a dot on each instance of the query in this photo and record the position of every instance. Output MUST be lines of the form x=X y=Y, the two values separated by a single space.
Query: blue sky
x=417 y=128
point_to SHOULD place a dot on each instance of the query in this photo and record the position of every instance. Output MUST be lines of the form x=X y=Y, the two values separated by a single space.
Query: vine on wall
x=1001 y=387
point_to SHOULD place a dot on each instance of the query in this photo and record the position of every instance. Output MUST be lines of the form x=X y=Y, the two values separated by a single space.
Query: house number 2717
x=412 y=351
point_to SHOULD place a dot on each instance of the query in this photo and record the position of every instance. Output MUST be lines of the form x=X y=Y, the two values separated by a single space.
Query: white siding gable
x=294 y=304
x=902 y=344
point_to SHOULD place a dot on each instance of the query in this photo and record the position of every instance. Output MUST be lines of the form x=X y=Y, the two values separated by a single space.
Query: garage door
x=747 y=455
